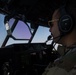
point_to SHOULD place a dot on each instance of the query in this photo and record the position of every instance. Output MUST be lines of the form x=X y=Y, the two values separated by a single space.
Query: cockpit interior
x=25 y=48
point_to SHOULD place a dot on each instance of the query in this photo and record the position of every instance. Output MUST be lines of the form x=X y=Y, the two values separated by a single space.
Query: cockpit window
x=41 y=35
x=21 y=31
x=12 y=41
x=3 y=32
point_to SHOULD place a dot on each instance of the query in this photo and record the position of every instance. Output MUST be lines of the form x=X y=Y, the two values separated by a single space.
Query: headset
x=65 y=22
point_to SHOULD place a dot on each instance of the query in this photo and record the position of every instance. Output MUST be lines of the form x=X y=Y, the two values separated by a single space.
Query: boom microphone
x=50 y=37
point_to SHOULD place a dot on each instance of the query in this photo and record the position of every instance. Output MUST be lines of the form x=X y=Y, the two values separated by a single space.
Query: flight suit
x=65 y=65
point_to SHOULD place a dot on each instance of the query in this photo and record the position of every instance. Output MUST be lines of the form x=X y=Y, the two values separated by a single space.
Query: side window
x=21 y=31
x=3 y=32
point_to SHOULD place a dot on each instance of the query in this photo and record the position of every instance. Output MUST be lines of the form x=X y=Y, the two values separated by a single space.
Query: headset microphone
x=53 y=44
x=50 y=37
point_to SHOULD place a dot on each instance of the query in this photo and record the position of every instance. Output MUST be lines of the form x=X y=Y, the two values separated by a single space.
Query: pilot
x=63 y=30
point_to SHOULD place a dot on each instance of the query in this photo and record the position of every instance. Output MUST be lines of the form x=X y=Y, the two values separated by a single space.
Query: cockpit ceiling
x=38 y=11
